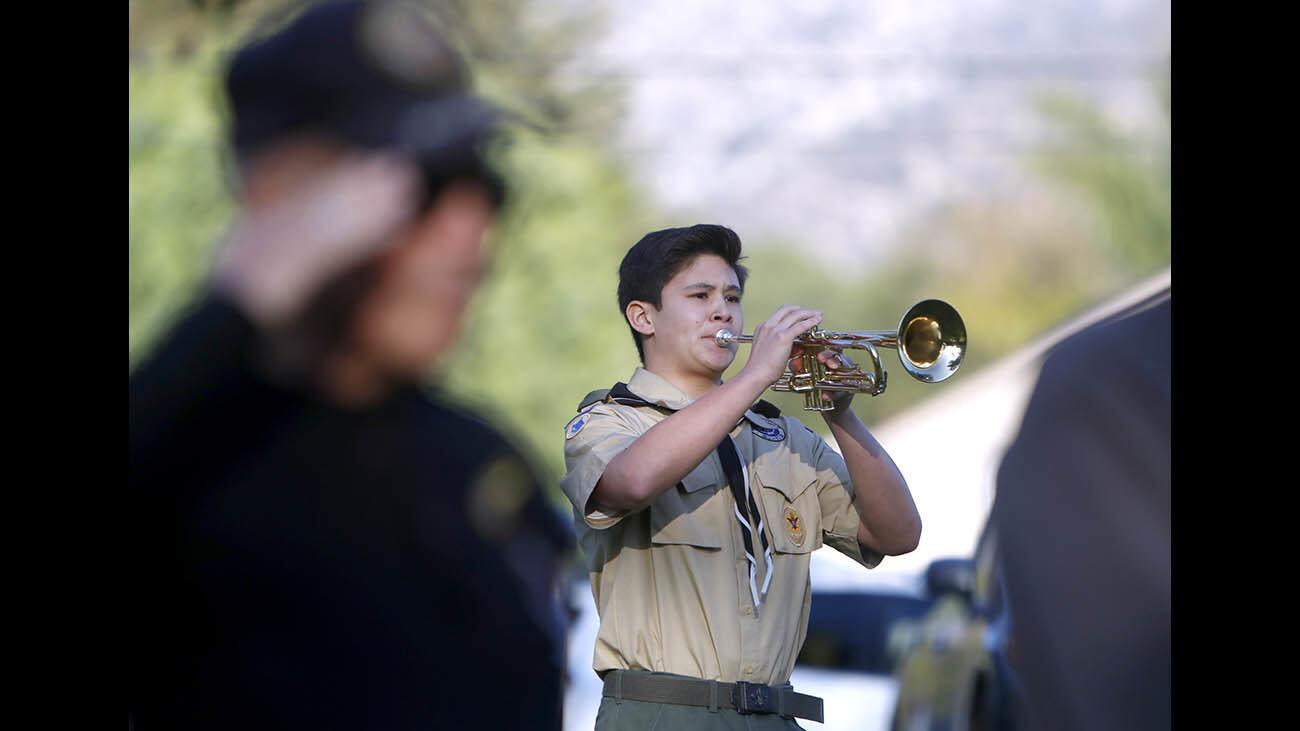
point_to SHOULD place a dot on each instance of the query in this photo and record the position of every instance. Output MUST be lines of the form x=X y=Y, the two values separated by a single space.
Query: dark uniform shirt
x=1083 y=514
x=301 y=565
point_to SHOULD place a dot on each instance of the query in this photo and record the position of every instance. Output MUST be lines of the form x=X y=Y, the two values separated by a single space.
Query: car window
x=850 y=631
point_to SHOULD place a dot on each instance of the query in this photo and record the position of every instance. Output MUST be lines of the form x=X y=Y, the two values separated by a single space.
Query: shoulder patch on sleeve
x=576 y=423
x=772 y=434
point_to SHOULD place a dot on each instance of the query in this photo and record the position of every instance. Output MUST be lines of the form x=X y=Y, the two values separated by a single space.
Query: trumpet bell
x=931 y=340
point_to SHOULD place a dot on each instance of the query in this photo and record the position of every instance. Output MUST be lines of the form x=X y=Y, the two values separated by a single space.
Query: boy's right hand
x=773 y=343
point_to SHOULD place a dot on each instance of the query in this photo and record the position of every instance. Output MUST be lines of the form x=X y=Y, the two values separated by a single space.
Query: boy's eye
x=700 y=295
x=733 y=298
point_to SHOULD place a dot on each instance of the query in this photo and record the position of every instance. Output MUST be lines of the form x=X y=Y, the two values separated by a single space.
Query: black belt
x=742 y=697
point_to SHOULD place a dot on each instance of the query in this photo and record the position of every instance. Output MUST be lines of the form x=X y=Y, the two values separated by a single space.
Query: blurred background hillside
x=1012 y=160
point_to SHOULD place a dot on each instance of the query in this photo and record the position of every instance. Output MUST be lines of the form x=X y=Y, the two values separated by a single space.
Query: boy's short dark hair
x=660 y=255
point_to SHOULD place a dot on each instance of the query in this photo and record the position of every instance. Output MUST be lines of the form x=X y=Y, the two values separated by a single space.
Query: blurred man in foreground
x=1083 y=512
x=318 y=542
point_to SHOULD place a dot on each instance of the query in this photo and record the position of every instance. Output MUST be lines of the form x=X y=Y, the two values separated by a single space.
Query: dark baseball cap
x=369 y=74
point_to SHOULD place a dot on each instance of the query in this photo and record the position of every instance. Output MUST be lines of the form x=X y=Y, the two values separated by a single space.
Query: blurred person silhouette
x=318 y=540
x=1083 y=514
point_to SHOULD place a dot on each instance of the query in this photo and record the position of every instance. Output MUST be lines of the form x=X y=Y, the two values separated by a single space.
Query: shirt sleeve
x=840 y=517
x=591 y=440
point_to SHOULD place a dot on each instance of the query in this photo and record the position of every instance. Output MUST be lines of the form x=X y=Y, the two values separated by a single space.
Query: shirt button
x=747 y=611
x=749 y=669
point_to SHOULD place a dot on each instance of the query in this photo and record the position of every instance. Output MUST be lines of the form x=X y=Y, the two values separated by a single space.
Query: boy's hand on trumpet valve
x=834 y=359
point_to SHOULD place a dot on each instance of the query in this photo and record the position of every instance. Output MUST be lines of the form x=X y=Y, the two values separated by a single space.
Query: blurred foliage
x=1012 y=266
x=520 y=50
x=1125 y=177
x=551 y=296
x=546 y=328
x=180 y=178
x=178 y=199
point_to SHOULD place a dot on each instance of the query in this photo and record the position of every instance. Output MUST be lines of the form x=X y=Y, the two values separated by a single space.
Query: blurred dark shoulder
x=1103 y=403
x=1129 y=352
x=467 y=434
x=503 y=485
x=435 y=408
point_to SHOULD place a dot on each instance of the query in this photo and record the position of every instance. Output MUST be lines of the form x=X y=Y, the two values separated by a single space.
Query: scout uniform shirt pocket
x=791 y=511
x=692 y=513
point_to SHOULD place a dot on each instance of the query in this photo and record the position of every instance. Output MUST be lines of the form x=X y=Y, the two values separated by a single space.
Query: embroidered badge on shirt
x=576 y=425
x=794 y=526
x=773 y=434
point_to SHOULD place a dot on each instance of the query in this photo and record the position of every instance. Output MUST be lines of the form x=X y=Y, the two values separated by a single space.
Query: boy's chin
x=719 y=363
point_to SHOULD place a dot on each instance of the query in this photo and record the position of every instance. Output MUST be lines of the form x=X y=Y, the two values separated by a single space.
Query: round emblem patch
x=771 y=434
x=793 y=526
x=499 y=492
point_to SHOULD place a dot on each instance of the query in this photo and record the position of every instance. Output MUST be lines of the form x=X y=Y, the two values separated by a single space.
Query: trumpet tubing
x=930 y=341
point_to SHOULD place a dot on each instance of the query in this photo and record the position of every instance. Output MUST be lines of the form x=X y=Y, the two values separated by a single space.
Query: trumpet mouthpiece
x=724 y=337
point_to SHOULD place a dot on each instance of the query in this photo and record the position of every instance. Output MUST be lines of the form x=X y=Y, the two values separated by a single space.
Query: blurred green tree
x=544 y=329
x=1125 y=176
x=1016 y=262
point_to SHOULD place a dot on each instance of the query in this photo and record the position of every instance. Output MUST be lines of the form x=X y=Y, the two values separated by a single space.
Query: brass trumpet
x=930 y=340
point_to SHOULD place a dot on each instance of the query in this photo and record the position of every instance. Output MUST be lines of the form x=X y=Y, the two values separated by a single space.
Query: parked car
x=582 y=686
x=846 y=658
x=953 y=670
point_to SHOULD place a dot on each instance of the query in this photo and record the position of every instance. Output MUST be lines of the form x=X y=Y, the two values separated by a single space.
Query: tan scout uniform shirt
x=671 y=581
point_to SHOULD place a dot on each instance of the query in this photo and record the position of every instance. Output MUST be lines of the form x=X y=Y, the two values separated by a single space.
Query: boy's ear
x=639 y=316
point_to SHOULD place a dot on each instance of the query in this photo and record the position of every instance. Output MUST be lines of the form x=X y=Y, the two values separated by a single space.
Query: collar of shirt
x=660 y=392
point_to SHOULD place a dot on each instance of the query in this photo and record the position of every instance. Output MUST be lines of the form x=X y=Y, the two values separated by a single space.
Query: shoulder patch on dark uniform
x=766 y=408
x=497 y=497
